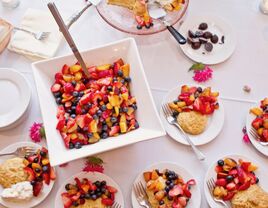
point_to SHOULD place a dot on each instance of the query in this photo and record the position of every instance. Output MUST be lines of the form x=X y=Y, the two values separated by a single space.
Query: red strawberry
x=37 y=188
x=105 y=81
x=52 y=173
x=265 y=134
x=176 y=205
x=175 y=191
x=58 y=77
x=79 y=87
x=218 y=169
x=76 y=196
x=233 y=172
x=182 y=201
x=96 y=97
x=244 y=186
x=85 y=99
x=221 y=182
x=192 y=90
x=241 y=175
x=67 y=202
x=256 y=123
x=46 y=178
x=229 y=196
x=78 y=109
x=231 y=186
x=245 y=166
x=61 y=123
x=60 y=111
x=66 y=140
x=65 y=69
x=111 y=189
x=55 y=88
x=103 y=73
x=116 y=68
x=30 y=172
x=114 y=130
x=107 y=201
x=68 y=88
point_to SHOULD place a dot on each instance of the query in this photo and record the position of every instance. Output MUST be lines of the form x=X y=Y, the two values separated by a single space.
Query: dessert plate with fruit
x=25 y=182
x=85 y=116
x=132 y=16
x=210 y=40
x=89 y=189
x=257 y=121
x=236 y=178
x=168 y=185
x=198 y=110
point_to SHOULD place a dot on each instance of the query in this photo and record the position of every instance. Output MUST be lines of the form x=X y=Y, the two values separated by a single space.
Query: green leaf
x=95 y=160
x=197 y=66
x=42 y=132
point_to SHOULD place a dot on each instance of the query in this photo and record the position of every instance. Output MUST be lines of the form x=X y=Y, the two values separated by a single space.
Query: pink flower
x=37 y=132
x=93 y=168
x=203 y=75
x=245 y=137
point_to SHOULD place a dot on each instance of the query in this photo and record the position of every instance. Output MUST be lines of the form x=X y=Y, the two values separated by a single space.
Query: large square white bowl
x=147 y=116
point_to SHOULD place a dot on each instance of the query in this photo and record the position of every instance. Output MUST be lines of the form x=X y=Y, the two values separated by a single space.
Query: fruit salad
x=203 y=101
x=84 y=191
x=260 y=123
x=233 y=176
x=167 y=189
x=90 y=109
x=39 y=170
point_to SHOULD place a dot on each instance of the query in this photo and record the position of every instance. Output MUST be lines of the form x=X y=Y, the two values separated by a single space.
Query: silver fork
x=21 y=151
x=211 y=187
x=255 y=135
x=171 y=120
x=141 y=195
x=116 y=205
x=37 y=35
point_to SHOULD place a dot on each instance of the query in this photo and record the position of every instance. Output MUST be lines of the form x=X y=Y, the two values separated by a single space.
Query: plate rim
x=27 y=96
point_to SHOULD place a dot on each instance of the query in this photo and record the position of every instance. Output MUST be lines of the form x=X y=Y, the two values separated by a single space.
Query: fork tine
x=169 y=109
x=164 y=109
x=253 y=133
x=136 y=190
x=142 y=189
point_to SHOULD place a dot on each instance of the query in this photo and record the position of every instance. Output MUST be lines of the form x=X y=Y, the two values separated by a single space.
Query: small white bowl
x=147 y=116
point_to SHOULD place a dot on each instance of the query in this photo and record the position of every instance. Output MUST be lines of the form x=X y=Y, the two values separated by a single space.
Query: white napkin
x=25 y=44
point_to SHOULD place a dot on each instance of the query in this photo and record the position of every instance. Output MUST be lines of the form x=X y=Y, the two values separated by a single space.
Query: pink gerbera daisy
x=37 y=132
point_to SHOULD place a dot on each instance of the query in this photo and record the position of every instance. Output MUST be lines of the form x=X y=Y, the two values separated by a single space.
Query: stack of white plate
x=15 y=96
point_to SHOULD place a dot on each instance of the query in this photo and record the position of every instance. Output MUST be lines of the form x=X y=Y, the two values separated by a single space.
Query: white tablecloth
x=165 y=65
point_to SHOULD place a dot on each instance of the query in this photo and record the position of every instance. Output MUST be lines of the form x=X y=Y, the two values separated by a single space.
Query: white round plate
x=35 y=200
x=195 y=200
x=216 y=25
x=214 y=126
x=15 y=94
x=211 y=173
x=255 y=143
x=92 y=176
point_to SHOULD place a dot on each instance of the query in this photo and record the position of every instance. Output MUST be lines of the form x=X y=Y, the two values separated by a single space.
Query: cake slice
x=5 y=34
x=124 y=3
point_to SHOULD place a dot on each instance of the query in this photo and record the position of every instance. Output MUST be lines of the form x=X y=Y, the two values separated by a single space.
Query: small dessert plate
x=216 y=25
x=35 y=200
x=214 y=125
x=92 y=176
x=262 y=149
x=211 y=173
x=195 y=200
x=15 y=93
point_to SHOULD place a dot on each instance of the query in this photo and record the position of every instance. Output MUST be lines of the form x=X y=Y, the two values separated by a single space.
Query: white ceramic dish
x=195 y=200
x=92 y=176
x=214 y=126
x=14 y=89
x=147 y=116
x=216 y=25
x=35 y=200
x=211 y=173
x=255 y=143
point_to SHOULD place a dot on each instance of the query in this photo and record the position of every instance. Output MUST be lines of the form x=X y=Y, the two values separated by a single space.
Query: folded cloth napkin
x=25 y=44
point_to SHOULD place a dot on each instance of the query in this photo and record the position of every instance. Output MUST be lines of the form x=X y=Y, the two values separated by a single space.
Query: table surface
x=165 y=65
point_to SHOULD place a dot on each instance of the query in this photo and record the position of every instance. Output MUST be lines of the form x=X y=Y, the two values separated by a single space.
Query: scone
x=192 y=122
x=253 y=197
x=12 y=172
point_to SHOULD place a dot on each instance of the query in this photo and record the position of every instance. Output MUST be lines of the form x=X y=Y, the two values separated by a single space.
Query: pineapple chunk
x=103 y=67
x=114 y=100
x=75 y=68
x=147 y=176
x=256 y=111
x=125 y=69
x=78 y=76
x=154 y=175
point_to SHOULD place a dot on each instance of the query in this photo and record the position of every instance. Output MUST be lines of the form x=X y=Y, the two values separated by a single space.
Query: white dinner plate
x=15 y=94
x=214 y=126
x=211 y=173
x=255 y=143
x=35 y=200
x=216 y=25
x=195 y=200
x=92 y=176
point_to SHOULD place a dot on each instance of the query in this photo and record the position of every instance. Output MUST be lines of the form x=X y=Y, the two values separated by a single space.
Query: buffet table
x=165 y=65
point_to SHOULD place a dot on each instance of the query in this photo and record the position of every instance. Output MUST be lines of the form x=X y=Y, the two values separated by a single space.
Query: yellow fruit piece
x=260 y=131
x=116 y=109
x=256 y=111
x=94 y=139
x=72 y=129
x=125 y=69
x=168 y=7
x=184 y=88
x=177 y=8
x=125 y=96
x=151 y=185
x=93 y=126
x=181 y=104
x=160 y=184
x=45 y=161
x=103 y=67
x=173 y=106
x=36 y=165
x=123 y=118
x=109 y=106
x=160 y=195
x=67 y=77
x=214 y=94
x=147 y=176
x=96 y=135
x=192 y=98
x=114 y=100
x=26 y=162
x=73 y=136
x=252 y=167
x=265 y=123
x=206 y=91
x=75 y=68
x=123 y=127
x=130 y=111
x=78 y=76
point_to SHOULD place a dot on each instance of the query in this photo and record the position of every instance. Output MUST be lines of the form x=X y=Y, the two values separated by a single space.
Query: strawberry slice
x=85 y=99
x=52 y=173
x=229 y=196
x=55 y=88
x=37 y=188
x=175 y=191
x=46 y=178
x=65 y=69
x=257 y=122
x=61 y=123
x=191 y=182
x=67 y=202
x=231 y=186
x=221 y=182
x=111 y=189
x=60 y=111
x=114 y=130
x=107 y=201
x=265 y=134
x=68 y=88
x=176 y=205
x=58 y=77
x=30 y=172
x=241 y=175
x=244 y=186
x=245 y=166
x=79 y=87
x=105 y=81
x=182 y=201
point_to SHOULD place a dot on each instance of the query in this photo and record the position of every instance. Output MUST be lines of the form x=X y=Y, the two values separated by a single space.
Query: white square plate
x=147 y=116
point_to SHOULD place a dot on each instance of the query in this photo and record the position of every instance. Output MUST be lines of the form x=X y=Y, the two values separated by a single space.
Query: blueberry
x=220 y=162
x=104 y=135
x=109 y=88
x=45 y=168
x=139 y=27
x=120 y=73
x=81 y=94
x=161 y=202
x=114 y=79
x=36 y=160
x=73 y=83
x=229 y=178
x=134 y=106
x=94 y=196
x=175 y=113
x=170 y=198
x=67 y=187
x=57 y=94
x=122 y=81
x=85 y=129
x=99 y=194
x=89 y=105
x=75 y=203
x=136 y=125
x=58 y=100
x=95 y=117
x=43 y=154
x=98 y=183
x=37 y=170
x=171 y=185
x=113 y=119
x=170 y=177
x=75 y=94
x=98 y=190
x=39 y=179
x=103 y=190
x=103 y=183
x=168 y=182
x=103 y=107
x=73 y=108
x=147 y=26
x=71 y=145
x=199 y=89
x=125 y=109
x=73 y=116
x=87 y=196
x=92 y=193
x=69 y=111
x=104 y=127
x=128 y=79
x=82 y=196
x=85 y=80
x=89 y=135
x=78 y=145
x=167 y=189
x=99 y=112
x=84 y=111
x=33 y=183
x=257 y=180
